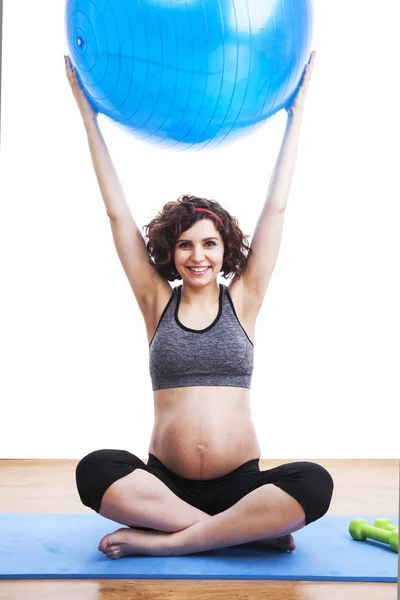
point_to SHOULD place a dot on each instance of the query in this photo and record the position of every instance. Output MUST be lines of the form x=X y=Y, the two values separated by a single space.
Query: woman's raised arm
x=109 y=183
x=268 y=232
x=129 y=242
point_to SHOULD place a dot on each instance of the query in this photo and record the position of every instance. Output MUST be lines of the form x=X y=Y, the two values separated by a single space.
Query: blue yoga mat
x=41 y=546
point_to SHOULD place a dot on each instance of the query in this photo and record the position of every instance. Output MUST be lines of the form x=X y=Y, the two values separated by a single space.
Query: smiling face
x=199 y=253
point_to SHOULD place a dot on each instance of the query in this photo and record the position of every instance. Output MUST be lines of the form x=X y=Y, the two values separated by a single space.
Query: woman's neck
x=200 y=297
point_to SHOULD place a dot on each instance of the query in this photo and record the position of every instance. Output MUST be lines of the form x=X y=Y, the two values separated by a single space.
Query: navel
x=200 y=448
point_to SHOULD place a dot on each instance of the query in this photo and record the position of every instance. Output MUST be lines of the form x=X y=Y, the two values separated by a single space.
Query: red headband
x=211 y=213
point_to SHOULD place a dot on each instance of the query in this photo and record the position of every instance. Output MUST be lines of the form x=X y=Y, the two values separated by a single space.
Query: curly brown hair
x=180 y=215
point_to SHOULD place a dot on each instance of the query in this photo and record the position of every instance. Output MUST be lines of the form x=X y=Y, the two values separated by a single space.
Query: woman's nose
x=198 y=253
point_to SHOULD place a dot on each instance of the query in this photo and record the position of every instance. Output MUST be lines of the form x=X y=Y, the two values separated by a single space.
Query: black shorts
x=309 y=483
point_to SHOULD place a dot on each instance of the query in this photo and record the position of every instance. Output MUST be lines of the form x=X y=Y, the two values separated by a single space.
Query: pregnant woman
x=202 y=487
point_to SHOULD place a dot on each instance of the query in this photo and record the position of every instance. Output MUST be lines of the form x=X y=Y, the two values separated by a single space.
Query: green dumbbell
x=360 y=530
x=387 y=524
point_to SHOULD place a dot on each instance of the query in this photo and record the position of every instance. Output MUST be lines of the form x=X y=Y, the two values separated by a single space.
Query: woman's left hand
x=299 y=100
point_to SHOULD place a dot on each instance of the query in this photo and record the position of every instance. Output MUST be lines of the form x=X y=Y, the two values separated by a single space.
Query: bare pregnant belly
x=203 y=432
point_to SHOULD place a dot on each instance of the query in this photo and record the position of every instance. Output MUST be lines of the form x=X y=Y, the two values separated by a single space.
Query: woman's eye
x=186 y=244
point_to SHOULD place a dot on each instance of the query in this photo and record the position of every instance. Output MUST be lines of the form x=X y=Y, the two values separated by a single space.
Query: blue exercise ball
x=189 y=73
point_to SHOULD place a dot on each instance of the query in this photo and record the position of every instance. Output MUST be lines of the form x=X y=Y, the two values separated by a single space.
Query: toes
x=108 y=539
x=113 y=551
x=105 y=542
x=292 y=545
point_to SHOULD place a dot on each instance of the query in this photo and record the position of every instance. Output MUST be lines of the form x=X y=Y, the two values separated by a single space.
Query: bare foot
x=130 y=541
x=285 y=543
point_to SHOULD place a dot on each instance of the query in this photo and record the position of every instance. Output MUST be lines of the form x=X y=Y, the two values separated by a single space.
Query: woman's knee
x=100 y=469
x=318 y=484
x=311 y=485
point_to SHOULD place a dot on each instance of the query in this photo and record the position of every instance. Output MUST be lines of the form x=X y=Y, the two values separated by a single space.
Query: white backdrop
x=74 y=351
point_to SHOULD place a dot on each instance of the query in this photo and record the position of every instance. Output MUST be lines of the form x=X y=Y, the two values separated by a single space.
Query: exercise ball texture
x=189 y=73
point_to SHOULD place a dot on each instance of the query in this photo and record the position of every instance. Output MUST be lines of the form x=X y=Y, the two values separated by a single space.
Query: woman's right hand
x=86 y=110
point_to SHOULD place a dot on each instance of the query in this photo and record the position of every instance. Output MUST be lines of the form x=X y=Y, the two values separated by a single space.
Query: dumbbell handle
x=390 y=537
x=375 y=533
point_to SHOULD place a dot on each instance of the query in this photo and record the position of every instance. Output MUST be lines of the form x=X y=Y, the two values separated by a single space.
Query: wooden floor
x=361 y=487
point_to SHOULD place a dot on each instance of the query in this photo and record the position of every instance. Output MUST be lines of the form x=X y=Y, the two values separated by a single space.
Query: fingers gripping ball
x=189 y=73
x=360 y=530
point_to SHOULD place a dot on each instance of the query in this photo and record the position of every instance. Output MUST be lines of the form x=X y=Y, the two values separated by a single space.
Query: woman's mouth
x=198 y=270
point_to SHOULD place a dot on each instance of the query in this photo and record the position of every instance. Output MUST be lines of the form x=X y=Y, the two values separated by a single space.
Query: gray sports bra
x=219 y=355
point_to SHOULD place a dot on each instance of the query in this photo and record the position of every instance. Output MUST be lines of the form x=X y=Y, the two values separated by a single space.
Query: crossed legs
x=254 y=507
x=177 y=528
